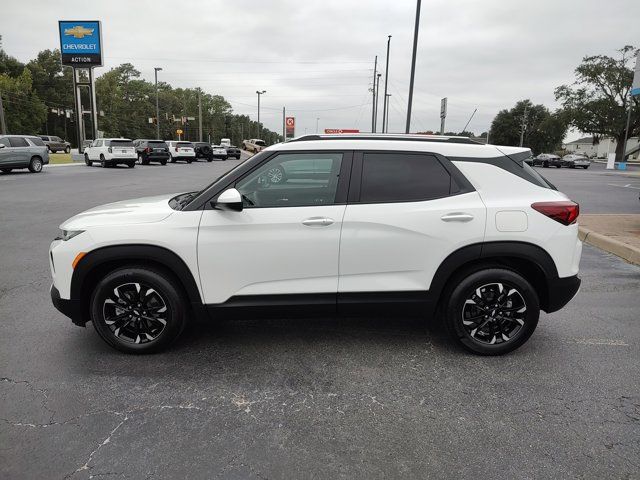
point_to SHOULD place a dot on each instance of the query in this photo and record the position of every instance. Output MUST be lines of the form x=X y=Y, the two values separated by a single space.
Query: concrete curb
x=623 y=250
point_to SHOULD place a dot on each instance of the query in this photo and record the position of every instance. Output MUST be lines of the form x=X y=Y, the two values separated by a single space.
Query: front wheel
x=492 y=311
x=67 y=149
x=138 y=310
x=87 y=162
x=35 y=165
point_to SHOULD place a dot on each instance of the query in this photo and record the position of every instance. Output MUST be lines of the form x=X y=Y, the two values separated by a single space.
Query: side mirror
x=229 y=200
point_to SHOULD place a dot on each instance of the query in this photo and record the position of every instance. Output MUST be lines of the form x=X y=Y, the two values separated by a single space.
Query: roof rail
x=400 y=137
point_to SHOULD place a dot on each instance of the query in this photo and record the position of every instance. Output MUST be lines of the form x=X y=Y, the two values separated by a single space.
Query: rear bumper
x=561 y=291
x=70 y=308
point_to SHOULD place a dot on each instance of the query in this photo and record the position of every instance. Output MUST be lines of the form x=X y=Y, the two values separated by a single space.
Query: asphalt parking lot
x=308 y=398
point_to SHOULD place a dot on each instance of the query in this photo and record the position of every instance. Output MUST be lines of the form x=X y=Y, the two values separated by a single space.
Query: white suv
x=181 y=151
x=109 y=152
x=331 y=225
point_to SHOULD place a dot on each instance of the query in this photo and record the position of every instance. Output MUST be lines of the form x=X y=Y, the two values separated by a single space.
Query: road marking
x=628 y=185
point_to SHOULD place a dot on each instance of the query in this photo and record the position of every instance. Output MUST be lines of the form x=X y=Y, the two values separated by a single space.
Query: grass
x=58 y=158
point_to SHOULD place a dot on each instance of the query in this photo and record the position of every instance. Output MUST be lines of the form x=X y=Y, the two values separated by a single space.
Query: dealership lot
x=309 y=397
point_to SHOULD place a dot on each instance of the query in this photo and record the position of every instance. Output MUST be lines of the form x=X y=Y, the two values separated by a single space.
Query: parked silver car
x=56 y=144
x=574 y=160
x=22 y=151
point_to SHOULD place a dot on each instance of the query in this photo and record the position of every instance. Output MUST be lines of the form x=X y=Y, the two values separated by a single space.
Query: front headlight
x=68 y=234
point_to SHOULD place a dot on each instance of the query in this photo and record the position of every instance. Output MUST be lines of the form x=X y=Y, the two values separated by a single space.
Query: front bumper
x=561 y=292
x=70 y=308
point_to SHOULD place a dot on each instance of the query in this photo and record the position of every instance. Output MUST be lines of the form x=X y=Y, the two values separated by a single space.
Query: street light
x=155 y=71
x=385 y=128
x=259 y=93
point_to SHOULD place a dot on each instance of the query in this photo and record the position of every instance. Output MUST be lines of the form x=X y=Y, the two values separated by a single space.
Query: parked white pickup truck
x=253 y=145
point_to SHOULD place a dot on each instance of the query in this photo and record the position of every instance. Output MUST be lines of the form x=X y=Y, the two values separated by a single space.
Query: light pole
x=259 y=93
x=386 y=127
x=375 y=120
x=386 y=84
x=413 y=66
x=155 y=71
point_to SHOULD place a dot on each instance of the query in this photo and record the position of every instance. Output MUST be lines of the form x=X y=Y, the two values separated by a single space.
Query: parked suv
x=151 y=151
x=56 y=144
x=203 y=150
x=378 y=224
x=181 y=151
x=22 y=151
x=109 y=152
x=232 y=151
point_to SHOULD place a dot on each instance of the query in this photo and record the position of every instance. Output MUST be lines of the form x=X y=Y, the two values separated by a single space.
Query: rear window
x=37 y=141
x=157 y=143
x=398 y=177
x=184 y=144
x=18 y=142
x=260 y=142
x=44 y=137
x=120 y=143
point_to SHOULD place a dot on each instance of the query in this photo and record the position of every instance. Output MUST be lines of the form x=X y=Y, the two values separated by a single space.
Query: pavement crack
x=41 y=391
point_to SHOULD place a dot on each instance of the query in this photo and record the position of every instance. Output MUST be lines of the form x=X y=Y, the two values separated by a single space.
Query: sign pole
x=78 y=112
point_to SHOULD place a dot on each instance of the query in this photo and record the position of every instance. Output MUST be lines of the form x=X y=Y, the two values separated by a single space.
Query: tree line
x=38 y=99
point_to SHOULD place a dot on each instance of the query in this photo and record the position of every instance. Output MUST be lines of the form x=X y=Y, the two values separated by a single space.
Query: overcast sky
x=316 y=57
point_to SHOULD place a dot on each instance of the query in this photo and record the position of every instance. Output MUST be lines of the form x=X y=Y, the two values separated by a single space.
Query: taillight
x=565 y=212
x=148 y=149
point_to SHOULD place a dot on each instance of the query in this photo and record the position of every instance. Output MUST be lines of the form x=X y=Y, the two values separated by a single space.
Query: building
x=602 y=149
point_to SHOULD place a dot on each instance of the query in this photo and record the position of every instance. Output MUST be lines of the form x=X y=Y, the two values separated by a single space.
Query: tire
x=67 y=149
x=131 y=164
x=545 y=164
x=572 y=166
x=124 y=293
x=140 y=159
x=585 y=167
x=209 y=160
x=558 y=166
x=6 y=170
x=276 y=175
x=500 y=331
x=103 y=162
x=189 y=160
x=35 y=165
x=163 y=162
x=224 y=159
x=237 y=157
x=172 y=160
x=87 y=162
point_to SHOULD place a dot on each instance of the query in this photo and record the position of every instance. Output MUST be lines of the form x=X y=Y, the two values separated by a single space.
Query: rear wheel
x=131 y=164
x=545 y=164
x=87 y=162
x=585 y=167
x=138 y=310
x=103 y=161
x=492 y=311
x=35 y=165
x=163 y=162
x=189 y=160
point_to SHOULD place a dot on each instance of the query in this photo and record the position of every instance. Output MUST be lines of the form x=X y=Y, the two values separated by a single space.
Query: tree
x=543 y=130
x=597 y=103
x=24 y=111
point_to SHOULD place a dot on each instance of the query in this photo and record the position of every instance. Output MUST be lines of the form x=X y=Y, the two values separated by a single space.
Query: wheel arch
x=97 y=263
x=527 y=259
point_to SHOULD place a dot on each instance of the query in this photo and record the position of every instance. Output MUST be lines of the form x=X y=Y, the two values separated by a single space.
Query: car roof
x=440 y=144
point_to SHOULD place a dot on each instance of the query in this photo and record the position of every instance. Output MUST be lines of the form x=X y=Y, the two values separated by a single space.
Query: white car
x=109 y=152
x=219 y=152
x=324 y=224
x=179 y=150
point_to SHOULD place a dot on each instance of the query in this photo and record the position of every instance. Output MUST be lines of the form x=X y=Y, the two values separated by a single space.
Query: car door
x=405 y=216
x=5 y=152
x=20 y=154
x=286 y=238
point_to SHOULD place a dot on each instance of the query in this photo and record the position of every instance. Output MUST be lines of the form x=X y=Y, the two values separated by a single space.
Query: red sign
x=340 y=130
x=290 y=126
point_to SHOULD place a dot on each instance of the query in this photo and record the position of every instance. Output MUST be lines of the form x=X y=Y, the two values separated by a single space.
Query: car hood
x=126 y=212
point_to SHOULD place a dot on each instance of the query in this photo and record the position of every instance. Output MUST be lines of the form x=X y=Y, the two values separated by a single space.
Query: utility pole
x=375 y=121
x=373 y=92
x=155 y=71
x=3 y=123
x=387 y=98
x=259 y=93
x=386 y=84
x=524 y=125
x=413 y=66
x=199 y=115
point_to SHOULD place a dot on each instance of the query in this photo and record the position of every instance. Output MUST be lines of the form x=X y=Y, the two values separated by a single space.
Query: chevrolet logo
x=78 y=31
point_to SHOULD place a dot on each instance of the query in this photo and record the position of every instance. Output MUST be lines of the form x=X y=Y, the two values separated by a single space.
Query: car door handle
x=318 y=222
x=457 y=217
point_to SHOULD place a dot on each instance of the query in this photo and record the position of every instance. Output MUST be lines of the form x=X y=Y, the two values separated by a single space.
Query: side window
x=18 y=142
x=402 y=177
x=292 y=180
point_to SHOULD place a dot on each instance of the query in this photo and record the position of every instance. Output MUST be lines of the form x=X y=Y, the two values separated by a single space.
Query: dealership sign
x=635 y=88
x=340 y=130
x=80 y=43
x=290 y=126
